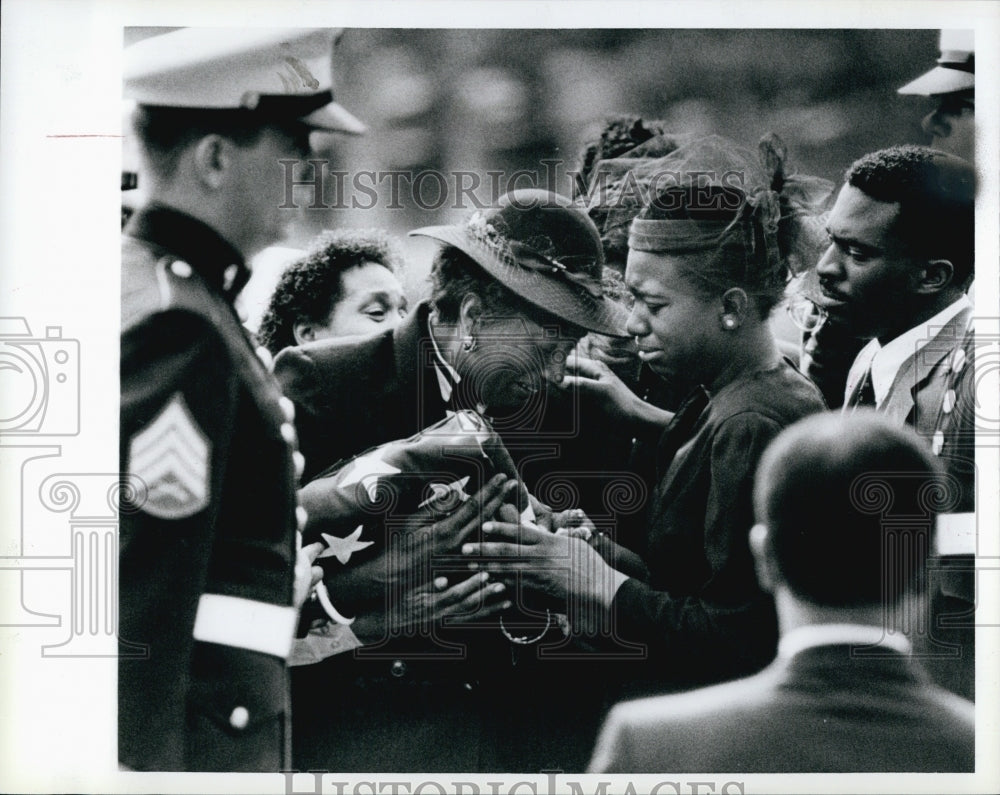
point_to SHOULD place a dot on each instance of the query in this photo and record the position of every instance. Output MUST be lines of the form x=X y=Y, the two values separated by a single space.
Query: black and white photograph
x=499 y=397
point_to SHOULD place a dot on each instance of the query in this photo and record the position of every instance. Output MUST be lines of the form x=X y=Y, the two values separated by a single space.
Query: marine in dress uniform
x=208 y=525
x=952 y=83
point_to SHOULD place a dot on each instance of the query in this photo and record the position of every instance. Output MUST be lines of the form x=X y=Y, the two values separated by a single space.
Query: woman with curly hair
x=346 y=285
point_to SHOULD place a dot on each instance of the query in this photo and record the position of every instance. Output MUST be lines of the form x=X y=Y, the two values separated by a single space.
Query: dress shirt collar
x=811 y=635
x=219 y=264
x=447 y=376
x=886 y=360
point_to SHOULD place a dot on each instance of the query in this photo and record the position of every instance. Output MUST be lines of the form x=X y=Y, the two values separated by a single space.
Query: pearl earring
x=728 y=322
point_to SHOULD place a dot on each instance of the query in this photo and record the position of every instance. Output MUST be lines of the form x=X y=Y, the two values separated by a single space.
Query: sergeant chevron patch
x=171 y=457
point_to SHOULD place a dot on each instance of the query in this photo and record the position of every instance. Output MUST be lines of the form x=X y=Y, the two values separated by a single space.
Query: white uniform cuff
x=246 y=624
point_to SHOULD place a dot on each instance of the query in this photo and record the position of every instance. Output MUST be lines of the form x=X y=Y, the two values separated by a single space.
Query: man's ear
x=212 y=157
x=763 y=558
x=934 y=276
x=303 y=332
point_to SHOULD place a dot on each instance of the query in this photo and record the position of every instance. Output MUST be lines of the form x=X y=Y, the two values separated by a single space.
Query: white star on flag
x=368 y=468
x=343 y=548
x=442 y=491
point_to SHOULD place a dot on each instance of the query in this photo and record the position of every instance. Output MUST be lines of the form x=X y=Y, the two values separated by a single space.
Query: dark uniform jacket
x=826 y=709
x=207 y=531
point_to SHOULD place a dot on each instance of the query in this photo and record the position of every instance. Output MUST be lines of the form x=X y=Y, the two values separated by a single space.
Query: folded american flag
x=365 y=511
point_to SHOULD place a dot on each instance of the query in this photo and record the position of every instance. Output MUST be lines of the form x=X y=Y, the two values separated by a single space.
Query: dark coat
x=351 y=394
x=702 y=617
x=823 y=710
x=207 y=534
x=502 y=709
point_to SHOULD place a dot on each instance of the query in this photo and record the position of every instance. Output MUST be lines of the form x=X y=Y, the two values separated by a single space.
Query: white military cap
x=283 y=73
x=956 y=69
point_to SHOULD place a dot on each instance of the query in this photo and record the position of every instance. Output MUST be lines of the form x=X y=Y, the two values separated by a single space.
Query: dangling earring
x=728 y=322
x=469 y=344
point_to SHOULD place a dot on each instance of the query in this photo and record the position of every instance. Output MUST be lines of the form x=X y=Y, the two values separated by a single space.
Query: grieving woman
x=706 y=265
x=513 y=290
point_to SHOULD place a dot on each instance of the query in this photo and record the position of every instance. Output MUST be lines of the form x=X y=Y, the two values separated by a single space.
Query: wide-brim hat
x=278 y=74
x=546 y=250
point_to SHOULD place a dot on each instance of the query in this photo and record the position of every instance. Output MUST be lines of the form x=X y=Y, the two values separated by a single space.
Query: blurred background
x=441 y=102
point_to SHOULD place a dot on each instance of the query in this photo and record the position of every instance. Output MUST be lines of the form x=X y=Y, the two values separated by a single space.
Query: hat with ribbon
x=277 y=75
x=545 y=249
x=956 y=69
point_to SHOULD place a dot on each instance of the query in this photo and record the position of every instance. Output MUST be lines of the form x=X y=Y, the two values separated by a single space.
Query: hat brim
x=940 y=80
x=555 y=295
x=333 y=117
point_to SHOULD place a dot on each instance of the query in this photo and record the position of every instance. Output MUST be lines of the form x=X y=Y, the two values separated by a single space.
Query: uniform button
x=300 y=463
x=398 y=668
x=301 y=517
x=180 y=268
x=958 y=360
x=949 y=401
x=239 y=718
x=265 y=356
x=937 y=443
x=288 y=432
x=287 y=407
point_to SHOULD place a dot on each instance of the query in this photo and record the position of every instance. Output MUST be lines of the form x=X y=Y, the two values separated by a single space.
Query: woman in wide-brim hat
x=514 y=288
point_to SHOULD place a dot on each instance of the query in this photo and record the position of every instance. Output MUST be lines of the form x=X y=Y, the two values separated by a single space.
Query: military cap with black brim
x=544 y=249
x=281 y=74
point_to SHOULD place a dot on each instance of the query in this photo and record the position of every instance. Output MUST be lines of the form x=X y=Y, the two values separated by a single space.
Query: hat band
x=959 y=60
x=285 y=106
x=516 y=253
x=657 y=236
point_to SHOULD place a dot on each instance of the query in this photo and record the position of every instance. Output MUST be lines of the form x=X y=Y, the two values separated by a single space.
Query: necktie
x=864 y=392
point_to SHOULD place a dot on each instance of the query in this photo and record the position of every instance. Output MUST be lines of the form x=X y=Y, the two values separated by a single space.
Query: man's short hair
x=936 y=196
x=850 y=504
x=164 y=133
x=311 y=287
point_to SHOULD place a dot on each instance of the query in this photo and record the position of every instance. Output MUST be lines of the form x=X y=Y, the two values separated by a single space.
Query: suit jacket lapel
x=913 y=376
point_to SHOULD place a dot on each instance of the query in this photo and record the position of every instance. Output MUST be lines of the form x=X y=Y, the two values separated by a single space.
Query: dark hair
x=165 y=132
x=936 y=196
x=738 y=257
x=311 y=287
x=454 y=275
x=850 y=504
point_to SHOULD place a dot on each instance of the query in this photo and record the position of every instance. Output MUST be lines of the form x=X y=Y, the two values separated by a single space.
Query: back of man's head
x=936 y=196
x=849 y=503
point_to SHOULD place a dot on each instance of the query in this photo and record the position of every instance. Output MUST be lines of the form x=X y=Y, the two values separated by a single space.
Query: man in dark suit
x=900 y=259
x=208 y=599
x=843 y=695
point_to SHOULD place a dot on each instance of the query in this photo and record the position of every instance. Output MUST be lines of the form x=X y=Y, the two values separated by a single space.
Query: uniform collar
x=219 y=264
